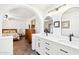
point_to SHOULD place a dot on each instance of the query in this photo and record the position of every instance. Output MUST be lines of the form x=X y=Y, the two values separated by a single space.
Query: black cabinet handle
x=38 y=39
x=47 y=43
x=63 y=51
x=47 y=53
x=47 y=48
x=38 y=44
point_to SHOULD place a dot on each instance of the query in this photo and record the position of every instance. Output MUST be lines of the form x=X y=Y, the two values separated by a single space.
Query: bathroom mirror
x=70 y=22
x=48 y=25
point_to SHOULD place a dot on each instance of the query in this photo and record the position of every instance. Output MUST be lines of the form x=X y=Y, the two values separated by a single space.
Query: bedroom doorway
x=24 y=45
x=31 y=30
x=18 y=18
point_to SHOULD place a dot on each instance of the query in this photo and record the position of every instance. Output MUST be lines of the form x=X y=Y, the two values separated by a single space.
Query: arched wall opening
x=39 y=23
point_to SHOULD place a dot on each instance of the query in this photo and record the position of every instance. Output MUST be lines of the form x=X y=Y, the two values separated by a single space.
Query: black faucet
x=46 y=31
x=70 y=36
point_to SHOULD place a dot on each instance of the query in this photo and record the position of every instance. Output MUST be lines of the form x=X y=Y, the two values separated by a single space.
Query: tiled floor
x=22 y=47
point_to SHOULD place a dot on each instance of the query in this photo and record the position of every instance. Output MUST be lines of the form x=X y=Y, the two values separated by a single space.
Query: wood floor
x=22 y=47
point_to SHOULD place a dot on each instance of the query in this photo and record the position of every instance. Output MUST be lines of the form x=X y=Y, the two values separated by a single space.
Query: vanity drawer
x=54 y=48
x=59 y=49
x=47 y=47
x=66 y=50
x=50 y=47
x=39 y=46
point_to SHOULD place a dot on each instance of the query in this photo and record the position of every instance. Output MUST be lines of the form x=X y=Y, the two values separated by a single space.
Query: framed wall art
x=57 y=24
x=65 y=24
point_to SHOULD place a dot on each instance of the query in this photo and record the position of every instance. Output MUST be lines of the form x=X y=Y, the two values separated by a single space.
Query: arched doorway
x=17 y=16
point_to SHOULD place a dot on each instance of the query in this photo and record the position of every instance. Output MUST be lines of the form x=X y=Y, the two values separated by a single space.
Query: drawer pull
x=38 y=44
x=38 y=39
x=47 y=48
x=47 y=43
x=63 y=50
x=47 y=53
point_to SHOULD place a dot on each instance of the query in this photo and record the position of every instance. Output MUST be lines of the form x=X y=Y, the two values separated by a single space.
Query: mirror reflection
x=48 y=25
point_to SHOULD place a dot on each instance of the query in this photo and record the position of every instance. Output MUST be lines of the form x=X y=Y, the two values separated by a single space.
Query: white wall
x=73 y=16
x=14 y=24
x=5 y=8
x=1 y=18
x=22 y=24
x=56 y=16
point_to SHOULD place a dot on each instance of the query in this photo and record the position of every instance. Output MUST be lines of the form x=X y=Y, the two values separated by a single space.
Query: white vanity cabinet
x=66 y=50
x=34 y=40
x=52 y=48
x=48 y=47
x=44 y=47
x=39 y=46
x=6 y=45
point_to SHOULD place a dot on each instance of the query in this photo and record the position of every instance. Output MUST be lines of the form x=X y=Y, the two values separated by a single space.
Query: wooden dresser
x=28 y=35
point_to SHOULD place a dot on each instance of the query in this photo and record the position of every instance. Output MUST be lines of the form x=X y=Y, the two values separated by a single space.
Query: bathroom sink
x=64 y=40
x=74 y=44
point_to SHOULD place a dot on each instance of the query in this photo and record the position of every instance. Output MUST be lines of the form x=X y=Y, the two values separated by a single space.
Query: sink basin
x=64 y=40
x=74 y=44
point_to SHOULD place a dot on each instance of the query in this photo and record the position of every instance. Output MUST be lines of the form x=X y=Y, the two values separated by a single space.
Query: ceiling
x=22 y=12
x=44 y=7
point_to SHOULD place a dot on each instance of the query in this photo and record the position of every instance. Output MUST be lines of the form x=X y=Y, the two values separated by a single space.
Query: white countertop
x=62 y=40
x=6 y=45
x=6 y=37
